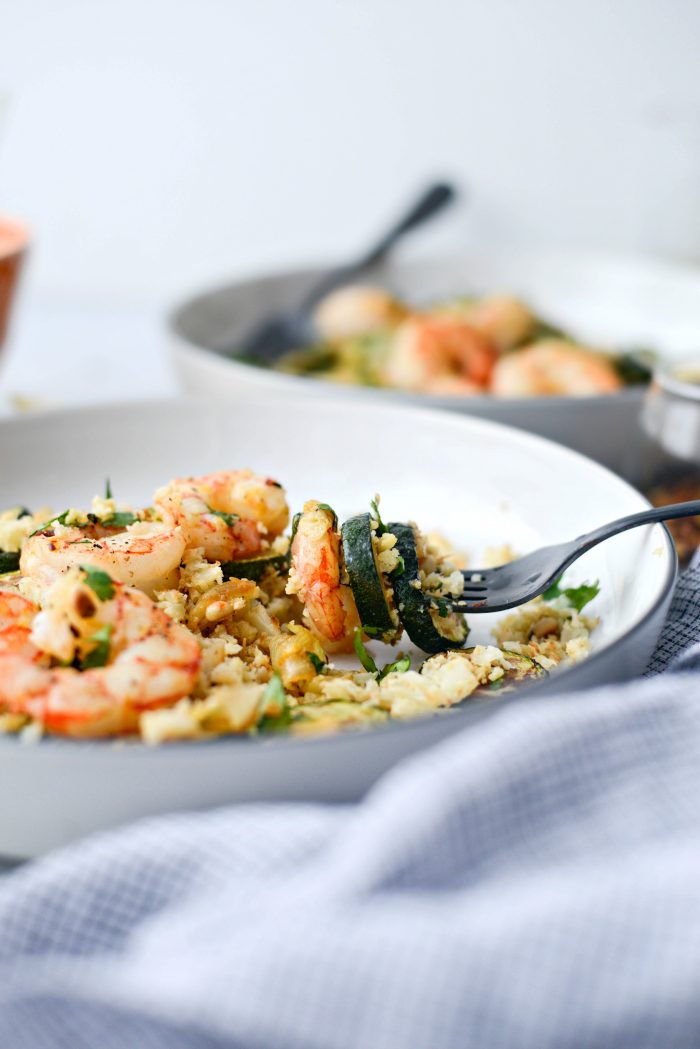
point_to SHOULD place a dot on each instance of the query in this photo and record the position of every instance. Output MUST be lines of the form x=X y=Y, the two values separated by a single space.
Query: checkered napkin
x=532 y=882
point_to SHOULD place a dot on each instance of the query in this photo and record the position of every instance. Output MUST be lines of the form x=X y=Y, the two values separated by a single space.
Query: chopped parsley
x=577 y=596
x=274 y=709
x=317 y=662
x=119 y=519
x=361 y=652
x=230 y=519
x=374 y=505
x=99 y=654
x=99 y=582
x=399 y=666
x=60 y=519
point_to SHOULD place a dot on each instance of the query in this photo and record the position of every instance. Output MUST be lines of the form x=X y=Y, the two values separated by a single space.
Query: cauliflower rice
x=264 y=667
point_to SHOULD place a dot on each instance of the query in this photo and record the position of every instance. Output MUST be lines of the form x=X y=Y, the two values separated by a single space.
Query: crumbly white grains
x=14 y=530
x=173 y=603
x=197 y=574
x=103 y=507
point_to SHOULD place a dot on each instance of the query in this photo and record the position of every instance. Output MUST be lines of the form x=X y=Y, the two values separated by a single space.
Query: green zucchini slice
x=9 y=561
x=255 y=567
x=372 y=590
x=421 y=616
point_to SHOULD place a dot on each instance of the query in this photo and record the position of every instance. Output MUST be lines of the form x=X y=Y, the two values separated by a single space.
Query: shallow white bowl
x=478 y=482
x=609 y=301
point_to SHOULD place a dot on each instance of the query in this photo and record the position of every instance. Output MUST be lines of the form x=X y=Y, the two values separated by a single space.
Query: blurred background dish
x=626 y=303
x=13 y=246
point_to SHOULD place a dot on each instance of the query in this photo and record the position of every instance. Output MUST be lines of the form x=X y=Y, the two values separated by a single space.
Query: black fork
x=493 y=589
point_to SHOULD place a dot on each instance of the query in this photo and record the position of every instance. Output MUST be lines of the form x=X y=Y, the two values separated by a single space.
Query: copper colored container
x=13 y=246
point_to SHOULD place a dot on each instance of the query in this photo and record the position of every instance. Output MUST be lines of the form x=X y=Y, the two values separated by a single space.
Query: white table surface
x=62 y=353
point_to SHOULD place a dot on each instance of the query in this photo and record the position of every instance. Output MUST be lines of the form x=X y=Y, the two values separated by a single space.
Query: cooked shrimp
x=443 y=353
x=356 y=310
x=16 y=617
x=554 y=367
x=138 y=659
x=507 y=322
x=147 y=555
x=315 y=576
x=227 y=513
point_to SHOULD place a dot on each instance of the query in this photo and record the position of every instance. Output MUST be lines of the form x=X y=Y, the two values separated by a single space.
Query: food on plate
x=198 y=616
x=463 y=347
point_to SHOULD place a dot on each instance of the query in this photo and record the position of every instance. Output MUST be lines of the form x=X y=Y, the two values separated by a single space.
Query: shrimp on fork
x=126 y=656
x=315 y=576
x=227 y=514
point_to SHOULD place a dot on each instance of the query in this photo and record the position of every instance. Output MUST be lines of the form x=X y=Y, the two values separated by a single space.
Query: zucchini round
x=372 y=593
x=9 y=561
x=427 y=629
x=254 y=567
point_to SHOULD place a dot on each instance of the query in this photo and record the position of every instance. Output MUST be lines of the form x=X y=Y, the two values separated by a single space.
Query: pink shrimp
x=315 y=576
x=136 y=659
x=440 y=353
x=228 y=514
x=16 y=616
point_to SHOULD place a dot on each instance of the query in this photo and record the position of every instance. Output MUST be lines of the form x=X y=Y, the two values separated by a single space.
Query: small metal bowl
x=671 y=410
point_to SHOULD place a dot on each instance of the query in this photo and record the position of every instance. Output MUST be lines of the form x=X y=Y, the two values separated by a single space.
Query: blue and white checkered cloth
x=532 y=883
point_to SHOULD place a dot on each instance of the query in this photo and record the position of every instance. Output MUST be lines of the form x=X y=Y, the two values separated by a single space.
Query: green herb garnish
x=442 y=608
x=98 y=656
x=553 y=591
x=60 y=519
x=318 y=663
x=362 y=654
x=119 y=519
x=400 y=567
x=374 y=505
x=274 y=710
x=399 y=666
x=108 y=489
x=230 y=519
x=276 y=723
x=99 y=582
x=577 y=596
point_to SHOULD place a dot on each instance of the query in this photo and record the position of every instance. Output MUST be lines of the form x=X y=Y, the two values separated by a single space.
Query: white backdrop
x=159 y=145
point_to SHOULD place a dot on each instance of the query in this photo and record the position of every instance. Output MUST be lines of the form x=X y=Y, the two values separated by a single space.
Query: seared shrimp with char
x=227 y=514
x=147 y=555
x=126 y=656
x=315 y=576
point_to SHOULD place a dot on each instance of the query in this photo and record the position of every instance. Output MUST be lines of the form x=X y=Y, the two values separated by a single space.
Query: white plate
x=609 y=301
x=480 y=483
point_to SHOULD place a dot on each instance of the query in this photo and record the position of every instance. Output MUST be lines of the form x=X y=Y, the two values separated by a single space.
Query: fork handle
x=654 y=516
x=430 y=201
